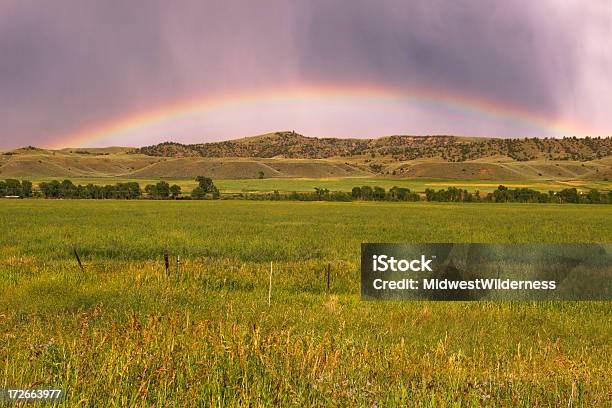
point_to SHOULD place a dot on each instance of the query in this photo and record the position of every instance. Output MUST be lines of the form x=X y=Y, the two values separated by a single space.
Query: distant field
x=346 y=184
x=123 y=333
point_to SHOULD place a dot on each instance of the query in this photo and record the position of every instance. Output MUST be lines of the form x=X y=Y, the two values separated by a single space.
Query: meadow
x=123 y=332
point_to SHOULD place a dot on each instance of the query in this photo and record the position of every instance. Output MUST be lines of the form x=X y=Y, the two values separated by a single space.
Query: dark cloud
x=500 y=50
x=66 y=65
x=74 y=64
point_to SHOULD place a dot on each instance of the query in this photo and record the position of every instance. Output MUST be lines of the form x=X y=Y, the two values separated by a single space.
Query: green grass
x=123 y=333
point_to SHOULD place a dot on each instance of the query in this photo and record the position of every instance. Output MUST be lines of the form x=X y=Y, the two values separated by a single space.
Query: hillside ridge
x=289 y=144
x=291 y=155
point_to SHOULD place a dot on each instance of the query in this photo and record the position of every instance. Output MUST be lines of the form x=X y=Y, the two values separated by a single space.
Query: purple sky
x=70 y=66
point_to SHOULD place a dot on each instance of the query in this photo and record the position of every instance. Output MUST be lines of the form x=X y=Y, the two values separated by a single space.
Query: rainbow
x=472 y=105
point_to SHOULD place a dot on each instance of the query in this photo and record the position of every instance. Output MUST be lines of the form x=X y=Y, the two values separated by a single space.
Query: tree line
x=568 y=195
x=502 y=194
x=15 y=188
x=120 y=191
x=365 y=193
x=206 y=189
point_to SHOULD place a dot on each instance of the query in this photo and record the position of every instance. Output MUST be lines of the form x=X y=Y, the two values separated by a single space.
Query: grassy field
x=347 y=183
x=124 y=333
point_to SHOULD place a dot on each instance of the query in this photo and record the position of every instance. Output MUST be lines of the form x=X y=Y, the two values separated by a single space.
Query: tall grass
x=125 y=334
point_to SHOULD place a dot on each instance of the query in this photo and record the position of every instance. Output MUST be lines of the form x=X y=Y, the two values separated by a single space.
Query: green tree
x=215 y=193
x=133 y=189
x=568 y=195
x=593 y=196
x=13 y=187
x=67 y=189
x=367 y=193
x=379 y=193
x=501 y=195
x=543 y=198
x=50 y=189
x=206 y=183
x=163 y=190
x=430 y=194
x=198 y=193
x=159 y=191
x=26 y=188
x=321 y=193
x=207 y=186
x=151 y=190
x=175 y=191
x=400 y=194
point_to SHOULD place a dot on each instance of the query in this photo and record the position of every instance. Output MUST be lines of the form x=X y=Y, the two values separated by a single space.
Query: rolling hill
x=288 y=154
x=398 y=148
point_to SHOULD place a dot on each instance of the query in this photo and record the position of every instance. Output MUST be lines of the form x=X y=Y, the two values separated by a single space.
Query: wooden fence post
x=78 y=258
x=328 y=275
x=167 y=262
x=270 y=286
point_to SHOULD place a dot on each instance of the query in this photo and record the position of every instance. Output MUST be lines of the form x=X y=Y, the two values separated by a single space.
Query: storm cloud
x=70 y=65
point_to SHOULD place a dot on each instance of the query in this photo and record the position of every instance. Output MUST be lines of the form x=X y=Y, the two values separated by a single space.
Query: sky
x=112 y=72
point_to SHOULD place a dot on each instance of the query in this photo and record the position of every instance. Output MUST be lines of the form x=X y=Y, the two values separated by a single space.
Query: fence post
x=178 y=264
x=270 y=286
x=76 y=255
x=328 y=275
x=167 y=261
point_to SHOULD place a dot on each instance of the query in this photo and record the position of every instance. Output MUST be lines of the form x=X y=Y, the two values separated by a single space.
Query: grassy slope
x=493 y=169
x=123 y=333
x=67 y=163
